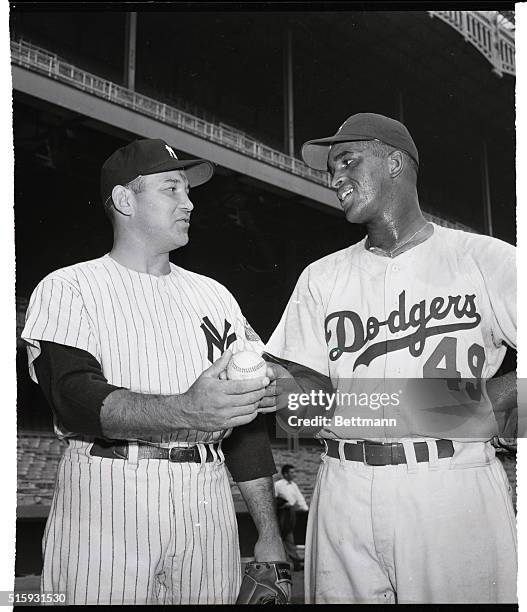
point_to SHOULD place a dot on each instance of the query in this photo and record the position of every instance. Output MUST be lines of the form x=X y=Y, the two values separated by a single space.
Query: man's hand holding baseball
x=269 y=402
x=212 y=403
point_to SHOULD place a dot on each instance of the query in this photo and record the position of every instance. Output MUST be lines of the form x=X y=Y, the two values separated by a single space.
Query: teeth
x=346 y=193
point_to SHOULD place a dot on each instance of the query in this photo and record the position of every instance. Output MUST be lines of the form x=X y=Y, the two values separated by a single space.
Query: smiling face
x=162 y=210
x=361 y=179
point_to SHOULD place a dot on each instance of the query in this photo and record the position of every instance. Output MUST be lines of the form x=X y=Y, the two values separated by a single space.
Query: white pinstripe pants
x=144 y=533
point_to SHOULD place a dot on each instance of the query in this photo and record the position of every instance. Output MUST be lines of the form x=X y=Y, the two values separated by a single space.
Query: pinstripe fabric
x=159 y=532
x=152 y=531
x=148 y=333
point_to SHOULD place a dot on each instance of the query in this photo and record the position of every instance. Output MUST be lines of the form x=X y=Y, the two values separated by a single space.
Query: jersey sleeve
x=56 y=313
x=497 y=263
x=299 y=336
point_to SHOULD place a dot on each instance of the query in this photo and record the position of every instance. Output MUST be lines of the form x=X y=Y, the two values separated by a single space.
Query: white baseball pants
x=141 y=532
x=436 y=532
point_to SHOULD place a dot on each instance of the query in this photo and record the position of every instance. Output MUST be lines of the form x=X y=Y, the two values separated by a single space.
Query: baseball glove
x=265 y=582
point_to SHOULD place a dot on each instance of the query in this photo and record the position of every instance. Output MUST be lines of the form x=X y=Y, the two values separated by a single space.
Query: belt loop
x=433 y=457
x=202 y=450
x=409 y=452
x=220 y=452
x=133 y=455
x=325 y=452
x=342 y=456
x=215 y=456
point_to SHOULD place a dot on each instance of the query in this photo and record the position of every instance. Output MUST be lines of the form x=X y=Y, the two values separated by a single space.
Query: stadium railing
x=487 y=33
x=40 y=60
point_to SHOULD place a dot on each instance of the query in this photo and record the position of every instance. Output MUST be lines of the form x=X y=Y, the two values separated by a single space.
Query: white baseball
x=245 y=365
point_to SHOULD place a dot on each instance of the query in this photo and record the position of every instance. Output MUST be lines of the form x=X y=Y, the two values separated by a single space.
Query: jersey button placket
x=393 y=290
x=387 y=305
x=387 y=302
x=162 y=284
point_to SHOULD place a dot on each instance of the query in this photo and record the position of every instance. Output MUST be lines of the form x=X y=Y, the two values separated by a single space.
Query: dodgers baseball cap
x=149 y=156
x=362 y=126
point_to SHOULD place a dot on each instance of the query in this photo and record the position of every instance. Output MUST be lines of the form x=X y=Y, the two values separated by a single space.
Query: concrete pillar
x=293 y=443
x=130 y=41
x=487 y=204
x=401 y=107
x=289 y=125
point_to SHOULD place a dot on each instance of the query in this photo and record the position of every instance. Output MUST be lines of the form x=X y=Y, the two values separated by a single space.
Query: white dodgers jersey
x=443 y=309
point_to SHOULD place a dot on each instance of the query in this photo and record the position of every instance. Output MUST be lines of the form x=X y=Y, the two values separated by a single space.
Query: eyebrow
x=339 y=156
x=176 y=181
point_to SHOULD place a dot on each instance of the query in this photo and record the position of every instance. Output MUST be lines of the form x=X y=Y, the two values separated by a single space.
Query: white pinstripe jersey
x=150 y=334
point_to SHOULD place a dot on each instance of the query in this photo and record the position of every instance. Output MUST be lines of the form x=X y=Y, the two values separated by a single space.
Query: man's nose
x=187 y=204
x=336 y=180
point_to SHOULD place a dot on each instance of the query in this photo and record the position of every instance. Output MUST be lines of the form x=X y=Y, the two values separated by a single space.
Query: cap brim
x=198 y=171
x=315 y=152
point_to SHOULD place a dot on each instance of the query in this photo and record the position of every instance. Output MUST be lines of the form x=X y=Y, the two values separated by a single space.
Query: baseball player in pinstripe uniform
x=416 y=511
x=129 y=349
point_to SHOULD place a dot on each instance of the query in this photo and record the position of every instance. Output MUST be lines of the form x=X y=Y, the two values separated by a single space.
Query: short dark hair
x=137 y=185
x=286 y=468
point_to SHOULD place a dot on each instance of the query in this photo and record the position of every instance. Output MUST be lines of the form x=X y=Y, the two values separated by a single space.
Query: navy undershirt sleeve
x=305 y=377
x=74 y=385
x=309 y=381
x=248 y=452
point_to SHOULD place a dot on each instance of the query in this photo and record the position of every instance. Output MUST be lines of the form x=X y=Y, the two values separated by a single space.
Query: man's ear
x=396 y=161
x=121 y=200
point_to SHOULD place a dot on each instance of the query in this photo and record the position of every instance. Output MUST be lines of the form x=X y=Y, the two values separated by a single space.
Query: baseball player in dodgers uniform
x=130 y=351
x=424 y=516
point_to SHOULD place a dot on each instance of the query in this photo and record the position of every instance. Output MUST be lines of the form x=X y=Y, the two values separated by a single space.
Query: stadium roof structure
x=438 y=71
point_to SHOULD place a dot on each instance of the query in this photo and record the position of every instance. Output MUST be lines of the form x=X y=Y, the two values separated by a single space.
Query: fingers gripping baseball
x=212 y=403
x=248 y=365
x=269 y=401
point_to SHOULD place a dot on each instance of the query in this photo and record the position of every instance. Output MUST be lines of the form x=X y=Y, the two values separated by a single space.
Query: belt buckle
x=365 y=455
x=172 y=454
x=179 y=454
x=365 y=447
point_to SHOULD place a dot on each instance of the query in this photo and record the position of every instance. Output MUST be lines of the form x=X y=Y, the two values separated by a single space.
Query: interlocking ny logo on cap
x=170 y=151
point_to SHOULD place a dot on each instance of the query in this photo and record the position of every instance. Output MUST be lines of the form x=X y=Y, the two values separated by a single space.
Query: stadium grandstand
x=245 y=90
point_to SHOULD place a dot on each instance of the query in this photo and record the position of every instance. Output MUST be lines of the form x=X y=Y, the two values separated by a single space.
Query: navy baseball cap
x=362 y=126
x=149 y=156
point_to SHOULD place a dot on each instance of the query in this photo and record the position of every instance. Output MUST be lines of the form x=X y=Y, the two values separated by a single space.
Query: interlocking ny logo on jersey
x=214 y=339
x=418 y=318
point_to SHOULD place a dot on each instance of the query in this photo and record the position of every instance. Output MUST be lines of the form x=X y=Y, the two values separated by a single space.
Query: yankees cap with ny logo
x=149 y=156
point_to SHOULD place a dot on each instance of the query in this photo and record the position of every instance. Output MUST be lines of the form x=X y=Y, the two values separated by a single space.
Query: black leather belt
x=118 y=449
x=386 y=453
